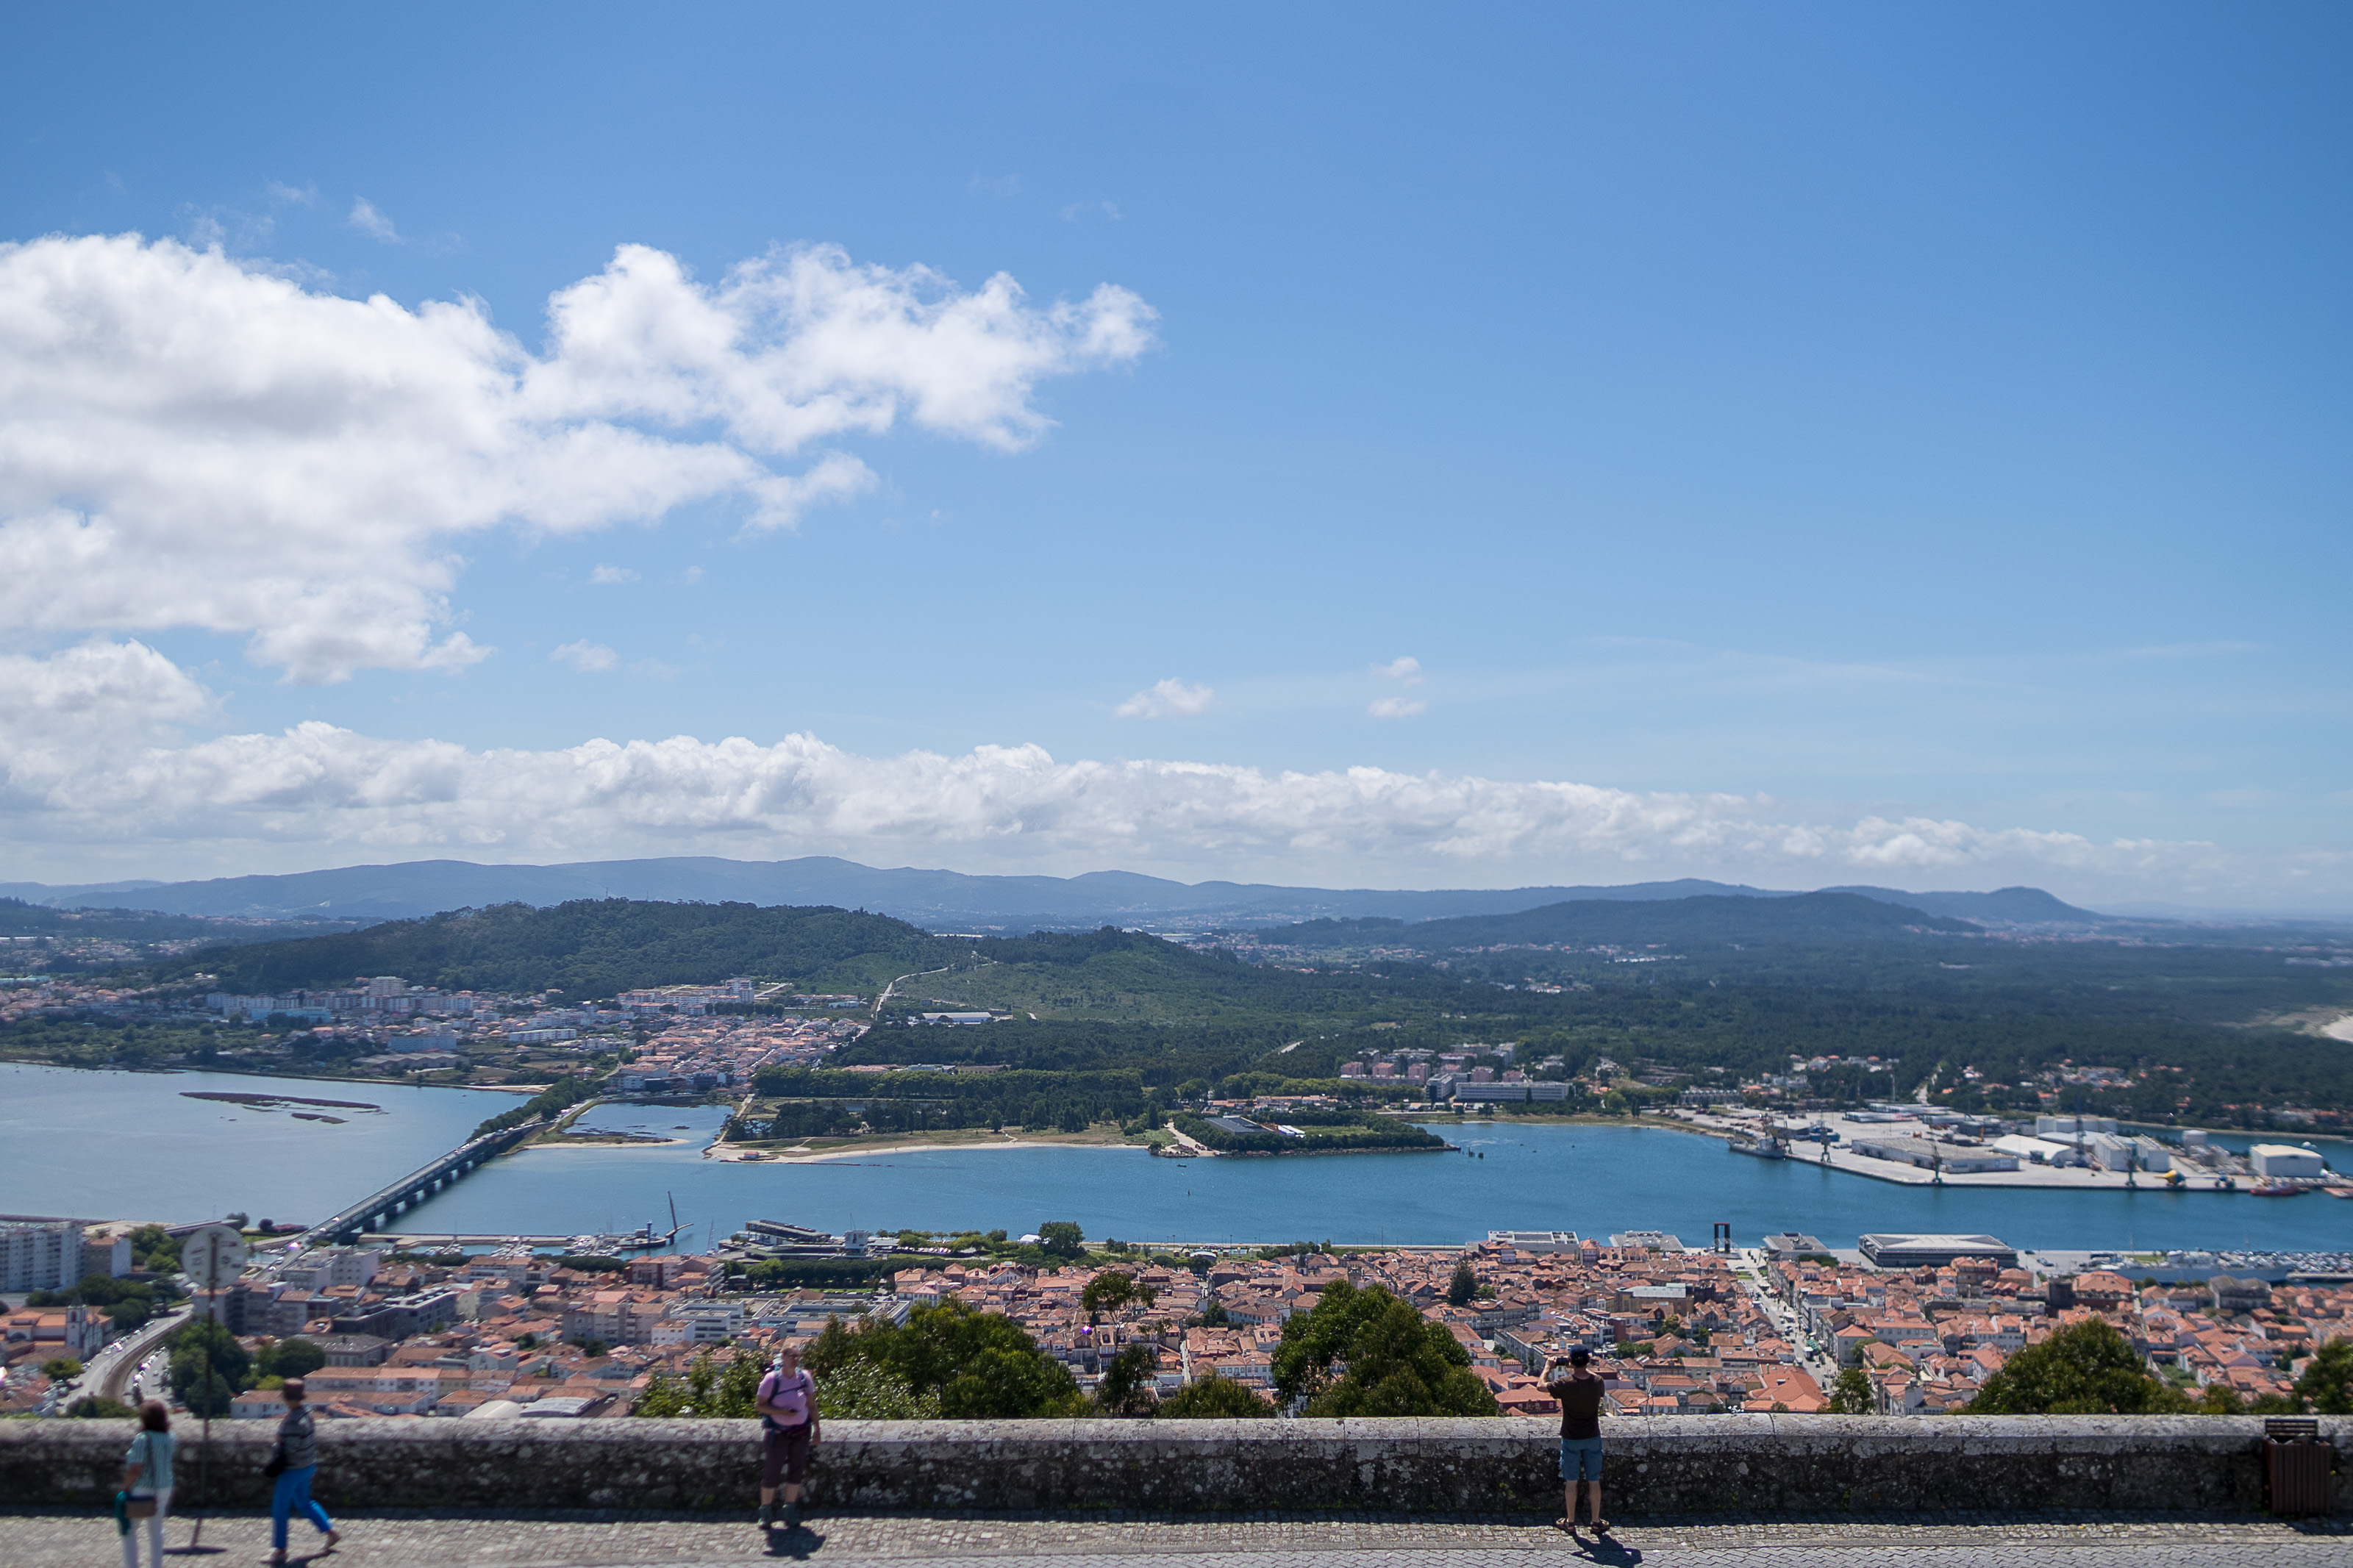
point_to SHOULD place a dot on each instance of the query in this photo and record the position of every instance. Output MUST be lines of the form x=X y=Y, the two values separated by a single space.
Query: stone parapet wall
x=1689 y=1464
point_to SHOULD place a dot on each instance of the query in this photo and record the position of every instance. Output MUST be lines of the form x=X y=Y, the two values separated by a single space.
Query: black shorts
x=784 y=1455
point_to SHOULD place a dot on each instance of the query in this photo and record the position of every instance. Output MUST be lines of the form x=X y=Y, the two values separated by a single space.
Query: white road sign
x=212 y=1255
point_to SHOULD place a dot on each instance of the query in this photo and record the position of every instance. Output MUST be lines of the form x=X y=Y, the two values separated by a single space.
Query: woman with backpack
x=147 y=1483
x=787 y=1408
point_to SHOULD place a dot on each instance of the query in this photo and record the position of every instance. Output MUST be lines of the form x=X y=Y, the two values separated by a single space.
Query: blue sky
x=1829 y=445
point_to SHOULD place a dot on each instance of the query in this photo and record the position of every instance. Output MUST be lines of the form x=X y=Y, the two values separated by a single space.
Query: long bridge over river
x=372 y=1211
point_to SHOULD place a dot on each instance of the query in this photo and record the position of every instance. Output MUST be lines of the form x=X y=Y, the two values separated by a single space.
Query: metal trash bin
x=2296 y=1465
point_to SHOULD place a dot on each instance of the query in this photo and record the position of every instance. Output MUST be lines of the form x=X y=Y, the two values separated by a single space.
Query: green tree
x=209 y=1368
x=2088 y=1369
x=975 y=1365
x=1461 y=1290
x=1110 y=1291
x=60 y=1368
x=664 y=1398
x=1060 y=1239
x=709 y=1390
x=1397 y=1361
x=2328 y=1380
x=863 y=1391
x=1127 y=1386
x=97 y=1407
x=1215 y=1399
x=154 y=1249
x=289 y=1358
x=1853 y=1394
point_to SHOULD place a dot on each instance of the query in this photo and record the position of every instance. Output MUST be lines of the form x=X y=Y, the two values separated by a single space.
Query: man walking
x=787 y=1407
x=294 y=1463
x=1579 y=1393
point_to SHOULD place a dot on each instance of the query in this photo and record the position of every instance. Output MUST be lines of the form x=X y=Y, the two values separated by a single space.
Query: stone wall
x=1697 y=1465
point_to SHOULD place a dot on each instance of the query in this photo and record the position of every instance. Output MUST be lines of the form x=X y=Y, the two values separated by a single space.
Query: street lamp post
x=213 y=1253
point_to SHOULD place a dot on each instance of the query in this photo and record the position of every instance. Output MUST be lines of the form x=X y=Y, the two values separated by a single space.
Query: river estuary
x=104 y=1144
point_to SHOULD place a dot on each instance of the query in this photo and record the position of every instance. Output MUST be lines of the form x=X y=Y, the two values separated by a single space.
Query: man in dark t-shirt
x=1572 y=1382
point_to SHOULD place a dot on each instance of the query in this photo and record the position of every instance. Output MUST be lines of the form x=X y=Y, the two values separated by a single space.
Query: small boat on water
x=1760 y=1148
x=2277 y=1190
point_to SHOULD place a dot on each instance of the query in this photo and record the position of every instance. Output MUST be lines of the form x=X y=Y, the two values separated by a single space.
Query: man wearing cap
x=1579 y=1393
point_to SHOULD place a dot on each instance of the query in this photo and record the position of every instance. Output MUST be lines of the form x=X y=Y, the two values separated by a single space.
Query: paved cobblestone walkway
x=1266 y=1541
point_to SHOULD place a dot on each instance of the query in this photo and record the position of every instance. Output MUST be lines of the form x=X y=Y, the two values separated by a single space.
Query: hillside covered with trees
x=1804 y=921
x=2216 y=1027
x=591 y=948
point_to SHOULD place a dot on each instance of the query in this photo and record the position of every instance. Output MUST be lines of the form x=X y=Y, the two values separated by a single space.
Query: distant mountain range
x=939 y=901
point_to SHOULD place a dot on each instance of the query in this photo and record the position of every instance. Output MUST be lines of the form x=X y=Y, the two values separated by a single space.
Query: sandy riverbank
x=804 y=1155
x=593 y=1142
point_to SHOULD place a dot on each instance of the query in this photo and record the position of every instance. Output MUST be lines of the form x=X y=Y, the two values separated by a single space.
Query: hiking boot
x=792 y=1516
x=767 y=1514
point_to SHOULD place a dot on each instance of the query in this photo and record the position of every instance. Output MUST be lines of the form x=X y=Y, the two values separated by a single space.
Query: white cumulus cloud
x=585 y=657
x=1407 y=668
x=186 y=441
x=1168 y=698
x=368 y=221
x=92 y=754
x=1397 y=708
x=605 y=576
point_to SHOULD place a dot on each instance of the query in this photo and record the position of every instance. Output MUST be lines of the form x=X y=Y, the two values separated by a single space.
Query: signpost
x=211 y=1254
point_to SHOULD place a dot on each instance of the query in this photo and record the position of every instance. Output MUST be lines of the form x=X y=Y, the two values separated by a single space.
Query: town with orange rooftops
x=1903 y=1325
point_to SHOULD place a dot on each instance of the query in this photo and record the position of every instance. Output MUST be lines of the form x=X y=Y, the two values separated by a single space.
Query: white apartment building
x=322 y=1269
x=40 y=1255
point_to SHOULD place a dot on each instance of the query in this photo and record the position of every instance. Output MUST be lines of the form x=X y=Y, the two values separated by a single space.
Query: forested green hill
x=591 y=948
x=1806 y=920
x=2216 y=1031
x=1132 y=976
x=2187 y=1022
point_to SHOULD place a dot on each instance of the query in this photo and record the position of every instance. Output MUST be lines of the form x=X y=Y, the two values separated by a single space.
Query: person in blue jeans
x=1579 y=1393
x=298 y=1453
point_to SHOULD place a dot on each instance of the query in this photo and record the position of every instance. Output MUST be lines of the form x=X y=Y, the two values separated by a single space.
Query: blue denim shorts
x=1580 y=1458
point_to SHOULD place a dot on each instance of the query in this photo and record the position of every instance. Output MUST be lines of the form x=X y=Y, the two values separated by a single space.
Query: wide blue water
x=108 y=1145
x=1591 y=1179
x=131 y=1145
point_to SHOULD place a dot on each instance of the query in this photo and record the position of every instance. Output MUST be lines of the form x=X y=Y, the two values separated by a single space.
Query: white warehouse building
x=2277 y=1160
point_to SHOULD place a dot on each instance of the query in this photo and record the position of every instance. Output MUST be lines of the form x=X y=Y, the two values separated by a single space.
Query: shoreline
x=1660 y=1124
x=802 y=1156
x=235 y=1071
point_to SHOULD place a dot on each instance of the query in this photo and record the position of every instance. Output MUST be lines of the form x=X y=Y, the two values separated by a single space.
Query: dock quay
x=586 y=1246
